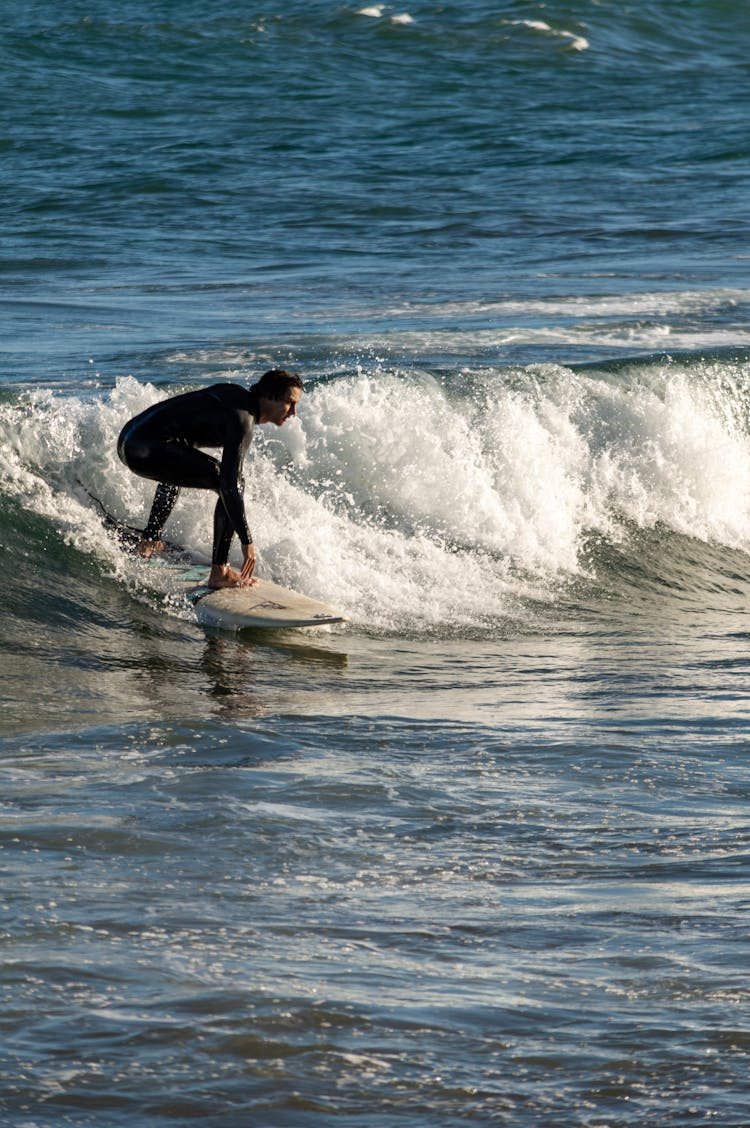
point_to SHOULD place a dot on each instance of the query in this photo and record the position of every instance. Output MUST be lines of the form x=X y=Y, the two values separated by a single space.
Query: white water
x=409 y=501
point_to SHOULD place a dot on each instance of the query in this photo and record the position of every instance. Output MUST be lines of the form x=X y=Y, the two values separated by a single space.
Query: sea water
x=481 y=855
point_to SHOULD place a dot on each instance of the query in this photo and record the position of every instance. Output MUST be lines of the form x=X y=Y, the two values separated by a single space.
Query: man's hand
x=248 y=564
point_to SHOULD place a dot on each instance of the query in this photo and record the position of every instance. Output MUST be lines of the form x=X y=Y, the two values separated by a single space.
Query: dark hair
x=275 y=384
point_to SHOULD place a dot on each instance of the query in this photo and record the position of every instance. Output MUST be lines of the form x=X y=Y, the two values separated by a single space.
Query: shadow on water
x=234 y=667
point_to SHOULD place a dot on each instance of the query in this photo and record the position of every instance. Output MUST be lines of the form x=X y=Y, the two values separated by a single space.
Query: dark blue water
x=481 y=855
x=285 y=171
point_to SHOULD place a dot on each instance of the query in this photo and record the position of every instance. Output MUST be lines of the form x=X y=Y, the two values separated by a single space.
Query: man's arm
x=231 y=480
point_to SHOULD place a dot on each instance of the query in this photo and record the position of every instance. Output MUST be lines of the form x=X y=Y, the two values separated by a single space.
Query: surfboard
x=264 y=605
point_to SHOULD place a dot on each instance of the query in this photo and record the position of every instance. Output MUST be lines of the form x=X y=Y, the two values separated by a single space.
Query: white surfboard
x=264 y=605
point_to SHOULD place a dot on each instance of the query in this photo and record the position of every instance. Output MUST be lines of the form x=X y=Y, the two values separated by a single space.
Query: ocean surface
x=481 y=855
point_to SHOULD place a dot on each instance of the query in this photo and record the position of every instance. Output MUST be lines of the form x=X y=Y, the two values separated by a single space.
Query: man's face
x=278 y=411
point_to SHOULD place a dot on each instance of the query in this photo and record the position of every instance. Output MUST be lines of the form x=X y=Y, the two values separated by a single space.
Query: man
x=162 y=444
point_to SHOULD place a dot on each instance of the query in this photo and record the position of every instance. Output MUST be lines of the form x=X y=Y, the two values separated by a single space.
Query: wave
x=422 y=500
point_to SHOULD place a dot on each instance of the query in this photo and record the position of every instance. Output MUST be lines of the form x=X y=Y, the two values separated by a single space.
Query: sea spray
x=413 y=499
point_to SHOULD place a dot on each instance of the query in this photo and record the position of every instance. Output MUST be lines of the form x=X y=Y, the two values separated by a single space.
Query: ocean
x=480 y=855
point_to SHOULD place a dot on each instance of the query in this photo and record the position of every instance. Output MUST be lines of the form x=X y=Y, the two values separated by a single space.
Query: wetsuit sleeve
x=239 y=433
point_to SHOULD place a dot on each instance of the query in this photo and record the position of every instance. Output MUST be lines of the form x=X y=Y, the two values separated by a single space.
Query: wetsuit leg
x=164 y=502
x=170 y=463
x=175 y=464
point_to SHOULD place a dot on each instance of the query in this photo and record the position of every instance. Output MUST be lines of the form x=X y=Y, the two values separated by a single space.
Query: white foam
x=649 y=303
x=377 y=11
x=536 y=25
x=55 y=448
x=577 y=42
x=627 y=338
x=650 y=321
x=409 y=502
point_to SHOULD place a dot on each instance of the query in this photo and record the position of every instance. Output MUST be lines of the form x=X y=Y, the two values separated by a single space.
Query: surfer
x=162 y=444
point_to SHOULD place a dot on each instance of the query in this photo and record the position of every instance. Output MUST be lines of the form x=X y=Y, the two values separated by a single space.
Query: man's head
x=277 y=394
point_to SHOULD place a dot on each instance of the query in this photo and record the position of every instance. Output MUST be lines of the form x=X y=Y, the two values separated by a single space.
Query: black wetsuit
x=161 y=444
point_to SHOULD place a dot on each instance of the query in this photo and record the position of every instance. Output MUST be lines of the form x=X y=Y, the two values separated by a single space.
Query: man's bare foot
x=147 y=547
x=223 y=576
